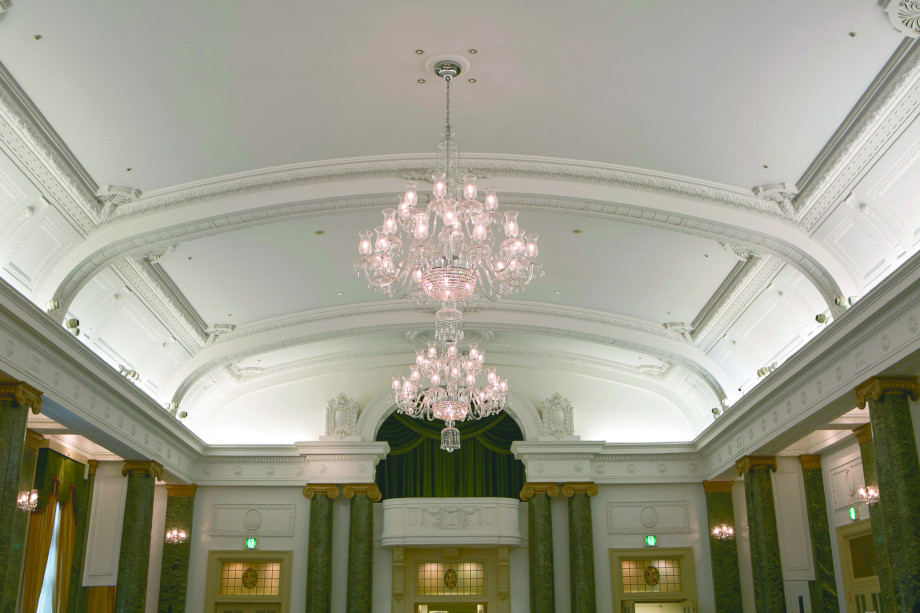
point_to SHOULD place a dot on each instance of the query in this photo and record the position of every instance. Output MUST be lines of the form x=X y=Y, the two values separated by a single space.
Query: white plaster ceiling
x=262 y=139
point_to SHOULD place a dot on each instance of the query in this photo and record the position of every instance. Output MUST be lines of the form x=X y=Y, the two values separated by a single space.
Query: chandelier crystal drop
x=457 y=246
x=27 y=500
x=868 y=495
x=723 y=532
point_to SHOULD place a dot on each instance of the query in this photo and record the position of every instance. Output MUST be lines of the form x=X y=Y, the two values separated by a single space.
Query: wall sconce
x=868 y=495
x=723 y=532
x=27 y=500
x=176 y=536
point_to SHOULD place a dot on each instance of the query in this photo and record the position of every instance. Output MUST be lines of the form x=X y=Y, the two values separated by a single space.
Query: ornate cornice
x=531 y=489
x=876 y=387
x=22 y=394
x=147 y=467
x=810 y=462
x=863 y=433
x=183 y=490
x=329 y=490
x=718 y=487
x=368 y=489
x=570 y=489
x=750 y=462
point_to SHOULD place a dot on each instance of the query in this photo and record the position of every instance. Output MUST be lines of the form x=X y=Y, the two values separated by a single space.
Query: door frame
x=213 y=597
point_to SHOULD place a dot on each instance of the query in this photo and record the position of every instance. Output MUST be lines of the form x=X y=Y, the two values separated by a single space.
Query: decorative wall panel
x=660 y=517
x=432 y=521
x=252 y=520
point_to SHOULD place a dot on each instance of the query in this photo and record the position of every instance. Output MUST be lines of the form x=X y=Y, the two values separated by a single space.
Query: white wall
x=840 y=517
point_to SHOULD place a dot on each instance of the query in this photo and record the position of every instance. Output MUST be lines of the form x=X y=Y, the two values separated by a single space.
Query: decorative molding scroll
x=181 y=490
x=904 y=16
x=531 y=489
x=570 y=489
x=750 y=462
x=556 y=412
x=148 y=467
x=718 y=487
x=329 y=490
x=810 y=462
x=368 y=489
x=662 y=517
x=341 y=417
x=22 y=394
x=110 y=197
x=780 y=193
x=876 y=387
x=863 y=433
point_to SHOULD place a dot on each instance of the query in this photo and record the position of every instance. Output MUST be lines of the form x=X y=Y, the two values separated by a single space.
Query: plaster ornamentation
x=22 y=394
x=252 y=520
x=368 y=489
x=532 y=489
x=904 y=16
x=570 y=489
x=148 y=467
x=556 y=412
x=845 y=478
x=450 y=517
x=666 y=517
x=110 y=197
x=424 y=521
x=780 y=193
x=876 y=387
x=330 y=490
x=341 y=418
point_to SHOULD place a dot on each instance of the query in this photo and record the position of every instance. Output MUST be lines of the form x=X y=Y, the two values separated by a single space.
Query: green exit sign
x=854 y=514
x=651 y=540
x=252 y=543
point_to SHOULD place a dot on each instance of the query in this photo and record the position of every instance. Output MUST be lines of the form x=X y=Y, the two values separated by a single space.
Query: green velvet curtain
x=52 y=465
x=483 y=466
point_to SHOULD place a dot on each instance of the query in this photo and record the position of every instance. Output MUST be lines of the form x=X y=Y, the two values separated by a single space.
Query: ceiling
x=189 y=181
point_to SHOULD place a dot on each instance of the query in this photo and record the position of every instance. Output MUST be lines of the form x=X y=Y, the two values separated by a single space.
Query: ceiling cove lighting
x=455 y=247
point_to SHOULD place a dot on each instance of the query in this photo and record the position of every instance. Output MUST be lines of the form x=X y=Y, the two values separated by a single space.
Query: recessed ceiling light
x=37 y=36
x=852 y=34
x=766 y=166
x=319 y=232
x=229 y=314
x=128 y=169
x=421 y=81
x=339 y=293
x=473 y=51
x=556 y=292
x=472 y=80
x=419 y=51
x=576 y=231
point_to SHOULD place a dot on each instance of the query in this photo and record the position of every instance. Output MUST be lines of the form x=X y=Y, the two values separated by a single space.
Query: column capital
x=876 y=387
x=22 y=394
x=532 y=489
x=863 y=433
x=718 y=487
x=585 y=487
x=369 y=489
x=750 y=462
x=810 y=461
x=33 y=439
x=329 y=490
x=93 y=466
x=182 y=490
x=154 y=469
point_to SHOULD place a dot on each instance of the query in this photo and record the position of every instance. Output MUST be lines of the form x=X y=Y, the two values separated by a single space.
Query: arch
x=380 y=406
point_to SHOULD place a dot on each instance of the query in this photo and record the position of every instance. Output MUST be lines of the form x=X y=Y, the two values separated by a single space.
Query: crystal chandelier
x=27 y=500
x=450 y=249
x=723 y=532
x=450 y=385
x=868 y=495
x=176 y=536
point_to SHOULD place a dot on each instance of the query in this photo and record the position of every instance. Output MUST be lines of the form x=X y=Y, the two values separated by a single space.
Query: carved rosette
x=22 y=394
x=904 y=16
x=750 y=462
x=876 y=387
x=329 y=490
x=532 y=489
x=154 y=469
x=570 y=489
x=181 y=490
x=369 y=489
x=863 y=434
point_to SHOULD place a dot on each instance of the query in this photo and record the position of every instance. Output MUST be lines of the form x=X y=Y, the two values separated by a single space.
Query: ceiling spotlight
x=821 y=318
x=766 y=370
x=128 y=373
x=716 y=411
x=73 y=326
x=51 y=305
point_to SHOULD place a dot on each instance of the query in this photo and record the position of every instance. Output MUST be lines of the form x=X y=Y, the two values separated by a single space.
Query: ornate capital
x=718 y=487
x=181 y=491
x=810 y=461
x=876 y=387
x=33 y=439
x=154 y=469
x=586 y=487
x=329 y=490
x=863 y=434
x=750 y=462
x=22 y=394
x=93 y=466
x=532 y=489
x=370 y=489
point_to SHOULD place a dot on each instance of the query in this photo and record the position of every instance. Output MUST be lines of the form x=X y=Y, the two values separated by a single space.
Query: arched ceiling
x=705 y=177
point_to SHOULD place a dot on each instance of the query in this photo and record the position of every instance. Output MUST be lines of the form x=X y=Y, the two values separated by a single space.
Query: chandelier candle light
x=27 y=500
x=175 y=536
x=723 y=532
x=449 y=249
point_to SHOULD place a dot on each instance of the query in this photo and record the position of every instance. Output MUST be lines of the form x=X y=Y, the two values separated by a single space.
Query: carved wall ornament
x=570 y=489
x=782 y=194
x=451 y=518
x=369 y=489
x=341 y=417
x=330 y=490
x=904 y=16
x=558 y=421
x=110 y=197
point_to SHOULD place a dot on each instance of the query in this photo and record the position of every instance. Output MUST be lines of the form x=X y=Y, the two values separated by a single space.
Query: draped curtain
x=41 y=527
x=417 y=467
x=100 y=599
x=67 y=530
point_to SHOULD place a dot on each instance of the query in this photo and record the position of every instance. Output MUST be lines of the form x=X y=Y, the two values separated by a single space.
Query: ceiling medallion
x=451 y=251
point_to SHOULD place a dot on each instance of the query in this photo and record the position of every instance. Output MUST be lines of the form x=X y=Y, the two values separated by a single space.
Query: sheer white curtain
x=45 y=600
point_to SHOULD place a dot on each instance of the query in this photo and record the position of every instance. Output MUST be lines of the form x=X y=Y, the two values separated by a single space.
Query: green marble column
x=540 y=530
x=15 y=400
x=319 y=549
x=77 y=598
x=11 y=581
x=769 y=594
x=581 y=546
x=359 y=592
x=824 y=588
x=882 y=562
x=723 y=553
x=134 y=557
x=180 y=510
x=898 y=472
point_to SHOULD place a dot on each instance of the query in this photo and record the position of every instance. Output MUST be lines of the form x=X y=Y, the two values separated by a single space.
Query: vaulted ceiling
x=189 y=179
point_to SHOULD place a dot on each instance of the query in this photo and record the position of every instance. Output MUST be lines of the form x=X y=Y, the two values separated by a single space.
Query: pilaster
x=540 y=529
x=358 y=598
x=180 y=509
x=134 y=556
x=319 y=550
x=723 y=552
x=581 y=546
x=77 y=601
x=824 y=588
x=769 y=594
